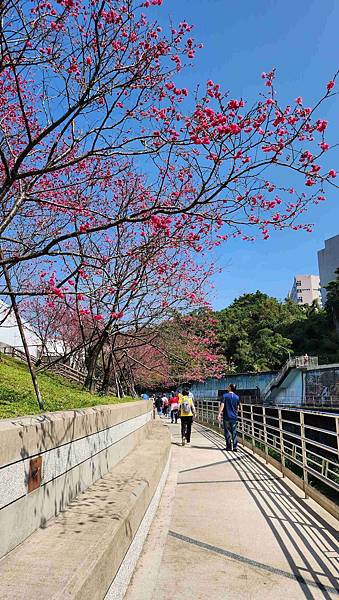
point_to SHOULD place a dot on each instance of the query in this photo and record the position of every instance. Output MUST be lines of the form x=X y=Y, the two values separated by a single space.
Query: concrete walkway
x=228 y=527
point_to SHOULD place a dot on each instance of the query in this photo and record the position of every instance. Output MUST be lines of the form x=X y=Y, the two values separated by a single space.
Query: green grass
x=17 y=396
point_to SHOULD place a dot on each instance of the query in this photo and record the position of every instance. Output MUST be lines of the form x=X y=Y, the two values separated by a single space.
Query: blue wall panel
x=291 y=389
x=315 y=385
x=243 y=381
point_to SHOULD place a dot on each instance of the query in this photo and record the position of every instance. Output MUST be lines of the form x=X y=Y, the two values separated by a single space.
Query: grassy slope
x=17 y=396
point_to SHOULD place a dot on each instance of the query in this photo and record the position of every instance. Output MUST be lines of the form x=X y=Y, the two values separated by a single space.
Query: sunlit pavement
x=229 y=527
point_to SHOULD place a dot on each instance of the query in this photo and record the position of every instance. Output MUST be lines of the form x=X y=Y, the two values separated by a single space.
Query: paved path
x=230 y=528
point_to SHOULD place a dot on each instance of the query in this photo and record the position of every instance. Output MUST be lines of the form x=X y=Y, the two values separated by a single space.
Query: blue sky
x=241 y=39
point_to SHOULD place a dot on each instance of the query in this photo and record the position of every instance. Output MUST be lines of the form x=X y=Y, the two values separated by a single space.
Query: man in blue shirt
x=229 y=407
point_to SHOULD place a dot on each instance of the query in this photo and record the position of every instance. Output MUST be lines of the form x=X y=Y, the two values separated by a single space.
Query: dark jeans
x=174 y=415
x=186 y=428
x=230 y=429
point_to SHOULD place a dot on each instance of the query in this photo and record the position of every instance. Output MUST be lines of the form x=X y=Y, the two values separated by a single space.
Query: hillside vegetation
x=258 y=332
x=17 y=395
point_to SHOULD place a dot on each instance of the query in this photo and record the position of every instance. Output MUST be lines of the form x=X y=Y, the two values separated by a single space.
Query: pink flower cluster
x=117 y=315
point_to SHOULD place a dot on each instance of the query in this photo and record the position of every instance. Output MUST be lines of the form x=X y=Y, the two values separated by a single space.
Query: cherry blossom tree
x=113 y=289
x=89 y=96
x=183 y=349
x=96 y=134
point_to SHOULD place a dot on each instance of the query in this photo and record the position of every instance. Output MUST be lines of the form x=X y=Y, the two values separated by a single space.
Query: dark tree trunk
x=93 y=354
x=107 y=375
x=117 y=382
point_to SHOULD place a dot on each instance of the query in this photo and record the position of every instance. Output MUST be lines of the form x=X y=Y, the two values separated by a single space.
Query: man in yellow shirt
x=186 y=414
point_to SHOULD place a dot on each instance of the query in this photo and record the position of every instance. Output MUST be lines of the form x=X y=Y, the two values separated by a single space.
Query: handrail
x=16 y=352
x=63 y=369
x=298 y=362
x=58 y=368
x=289 y=364
x=313 y=457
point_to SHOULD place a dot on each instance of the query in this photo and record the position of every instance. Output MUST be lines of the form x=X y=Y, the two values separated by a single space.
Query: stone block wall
x=47 y=460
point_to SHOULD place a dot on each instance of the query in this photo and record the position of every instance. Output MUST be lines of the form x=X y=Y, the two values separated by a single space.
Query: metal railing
x=305 y=443
x=293 y=399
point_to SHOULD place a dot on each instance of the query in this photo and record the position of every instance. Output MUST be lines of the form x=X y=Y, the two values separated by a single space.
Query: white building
x=53 y=348
x=305 y=289
x=328 y=261
x=10 y=334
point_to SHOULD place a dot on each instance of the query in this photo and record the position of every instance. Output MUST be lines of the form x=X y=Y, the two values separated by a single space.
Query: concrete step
x=79 y=553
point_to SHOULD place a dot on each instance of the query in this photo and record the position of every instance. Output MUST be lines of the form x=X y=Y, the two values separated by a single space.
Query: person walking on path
x=186 y=414
x=158 y=405
x=165 y=405
x=174 y=400
x=229 y=407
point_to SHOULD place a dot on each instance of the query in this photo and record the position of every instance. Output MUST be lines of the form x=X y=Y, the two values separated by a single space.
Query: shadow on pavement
x=308 y=542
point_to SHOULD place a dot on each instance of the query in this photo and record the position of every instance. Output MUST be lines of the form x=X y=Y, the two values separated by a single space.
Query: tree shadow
x=78 y=460
x=307 y=541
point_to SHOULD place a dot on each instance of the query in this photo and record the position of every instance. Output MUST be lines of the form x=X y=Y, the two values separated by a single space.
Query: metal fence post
x=303 y=450
x=265 y=432
x=242 y=424
x=281 y=437
x=252 y=428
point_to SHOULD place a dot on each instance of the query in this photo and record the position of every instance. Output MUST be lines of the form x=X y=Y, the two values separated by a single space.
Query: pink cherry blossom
x=117 y=315
x=321 y=125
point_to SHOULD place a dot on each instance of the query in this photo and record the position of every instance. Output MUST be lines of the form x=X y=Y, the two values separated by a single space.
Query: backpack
x=186 y=407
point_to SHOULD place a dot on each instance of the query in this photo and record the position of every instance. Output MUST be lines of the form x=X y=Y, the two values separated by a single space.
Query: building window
x=298 y=282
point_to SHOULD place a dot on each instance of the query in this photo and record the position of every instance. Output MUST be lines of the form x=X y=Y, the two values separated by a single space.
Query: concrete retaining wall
x=76 y=449
x=89 y=551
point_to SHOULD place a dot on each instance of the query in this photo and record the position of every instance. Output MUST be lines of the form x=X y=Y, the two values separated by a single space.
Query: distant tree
x=250 y=331
x=315 y=336
x=317 y=333
x=332 y=303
